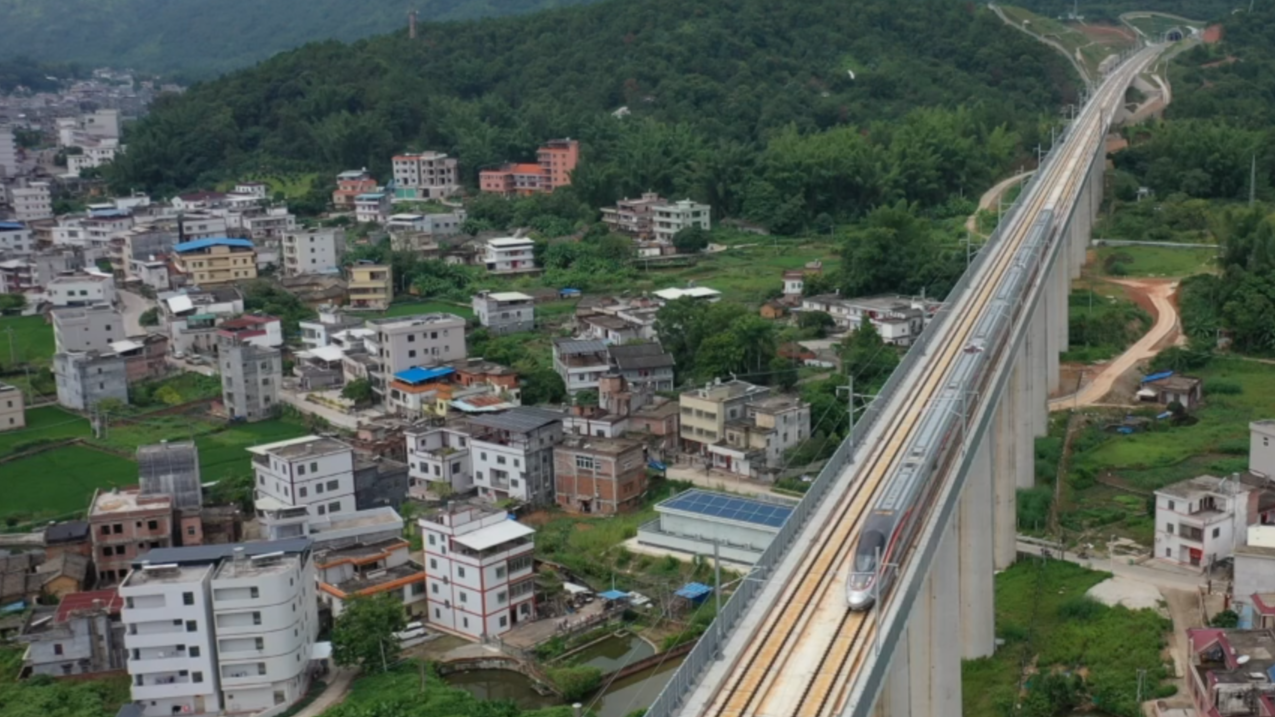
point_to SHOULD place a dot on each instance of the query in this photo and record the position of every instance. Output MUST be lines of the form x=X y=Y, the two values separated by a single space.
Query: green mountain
x=198 y=39
x=776 y=111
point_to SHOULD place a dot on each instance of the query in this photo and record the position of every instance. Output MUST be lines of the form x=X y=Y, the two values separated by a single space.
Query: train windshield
x=870 y=545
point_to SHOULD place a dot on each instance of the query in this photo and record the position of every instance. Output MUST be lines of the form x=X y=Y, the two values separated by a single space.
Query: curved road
x=1166 y=322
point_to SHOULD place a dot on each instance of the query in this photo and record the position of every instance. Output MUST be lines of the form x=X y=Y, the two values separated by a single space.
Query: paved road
x=133 y=306
x=1161 y=575
x=1166 y=322
x=334 y=695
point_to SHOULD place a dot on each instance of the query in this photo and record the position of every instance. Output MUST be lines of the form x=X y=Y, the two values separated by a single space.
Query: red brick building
x=124 y=525
x=599 y=475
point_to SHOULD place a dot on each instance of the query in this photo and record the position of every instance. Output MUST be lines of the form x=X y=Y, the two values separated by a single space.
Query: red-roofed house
x=1232 y=672
x=554 y=163
x=83 y=636
x=350 y=184
x=258 y=330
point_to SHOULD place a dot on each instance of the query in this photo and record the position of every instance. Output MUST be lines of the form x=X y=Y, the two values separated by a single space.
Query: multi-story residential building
x=145 y=356
x=8 y=153
x=87 y=328
x=513 y=454
x=673 y=218
x=268 y=225
x=478 y=570
x=505 y=312
x=221 y=628
x=250 y=378
x=1198 y=521
x=1229 y=670
x=256 y=190
x=199 y=201
x=480 y=372
x=705 y=411
x=635 y=217
x=13 y=412
x=509 y=255
x=424 y=175
x=899 y=319
x=755 y=444
x=558 y=159
x=93 y=156
x=32 y=202
x=436 y=457
x=372 y=207
x=646 y=367
x=81 y=289
x=318 y=332
x=425 y=225
x=555 y=161
x=124 y=525
x=257 y=329
x=210 y=262
x=302 y=482
x=19 y=276
x=350 y=184
x=15 y=238
x=191 y=317
x=366 y=569
x=404 y=342
x=86 y=378
x=370 y=286
x=312 y=251
x=580 y=363
x=201 y=225
x=599 y=475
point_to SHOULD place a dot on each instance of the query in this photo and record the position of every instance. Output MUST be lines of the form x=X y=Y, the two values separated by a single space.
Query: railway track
x=802 y=658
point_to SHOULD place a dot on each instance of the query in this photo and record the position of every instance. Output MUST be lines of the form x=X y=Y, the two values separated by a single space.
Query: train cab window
x=870 y=545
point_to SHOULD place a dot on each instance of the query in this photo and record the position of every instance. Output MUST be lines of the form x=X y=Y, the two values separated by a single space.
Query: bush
x=1226 y=618
x=1033 y=507
x=1081 y=608
x=575 y=683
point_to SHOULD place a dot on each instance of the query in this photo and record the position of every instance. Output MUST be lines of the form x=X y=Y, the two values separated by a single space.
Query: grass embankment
x=31 y=341
x=402 y=693
x=1093 y=43
x=1236 y=392
x=1053 y=631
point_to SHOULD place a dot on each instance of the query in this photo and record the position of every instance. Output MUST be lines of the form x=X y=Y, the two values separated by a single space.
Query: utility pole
x=849 y=389
x=1252 y=197
x=13 y=356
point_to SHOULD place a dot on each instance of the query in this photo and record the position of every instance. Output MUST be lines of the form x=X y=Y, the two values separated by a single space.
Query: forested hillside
x=205 y=38
x=1110 y=10
x=747 y=104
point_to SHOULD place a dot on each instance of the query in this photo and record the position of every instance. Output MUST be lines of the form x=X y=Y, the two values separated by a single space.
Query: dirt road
x=1159 y=291
x=989 y=198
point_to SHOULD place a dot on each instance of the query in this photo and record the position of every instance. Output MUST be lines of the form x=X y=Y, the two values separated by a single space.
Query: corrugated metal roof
x=522 y=418
x=420 y=375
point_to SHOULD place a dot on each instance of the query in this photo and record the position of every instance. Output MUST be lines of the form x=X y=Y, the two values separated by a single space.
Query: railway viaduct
x=785 y=644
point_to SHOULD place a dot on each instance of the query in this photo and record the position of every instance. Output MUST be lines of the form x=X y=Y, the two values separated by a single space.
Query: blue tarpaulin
x=18 y=606
x=656 y=465
x=1156 y=376
x=694 y=591
x=421 y=375
x=614 y=595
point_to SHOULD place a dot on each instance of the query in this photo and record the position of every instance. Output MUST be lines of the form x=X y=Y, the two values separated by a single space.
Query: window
x=194 y=652
x=500 y=571
x=504 y=621
x=318 y=488
x=465 y=621
x=500 y=460
x=254 y=592
x=1217 y=532
x=117 y=528
x=1169 y=528
x=191 y=626
x=301 y=492
x=460 y=571
x=418 y=588
x=586 y=463
x=106 y=530
x=314 y=467
x=188 y=598
x=323 y=510
x=300 y=470
x=464 y=596
x=57 y=649
x=196 y=677
x=333 y=485
x=411 y=353
x=334 y=507
x=1171 y=505
x=1168 y=552
x=256 y=618
x=190 y=530
x=502 y=597
x=261 y=643
x=432 y=539
x=433 y=564
x=434 y=588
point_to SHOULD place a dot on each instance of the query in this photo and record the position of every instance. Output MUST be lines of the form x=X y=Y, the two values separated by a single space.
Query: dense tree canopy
x=746 y=104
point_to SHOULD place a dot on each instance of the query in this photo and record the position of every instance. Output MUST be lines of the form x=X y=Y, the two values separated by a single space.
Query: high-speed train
x=899 y=512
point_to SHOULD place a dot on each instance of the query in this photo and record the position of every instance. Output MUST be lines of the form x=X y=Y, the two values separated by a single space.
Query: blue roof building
x=201 y=244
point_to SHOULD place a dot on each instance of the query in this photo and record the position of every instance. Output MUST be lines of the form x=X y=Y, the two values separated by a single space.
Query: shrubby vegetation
x=400 y=692
x=44 y=696
x=744 y=104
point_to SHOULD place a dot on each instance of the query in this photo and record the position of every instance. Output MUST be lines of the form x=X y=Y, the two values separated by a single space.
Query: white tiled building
x=302 y=483
x=87 y=328
x=312 y=251
x=1200 y=520
x=372 y=207
x=438 y=455
x=81 y=289
x=513 y=454
x=15 y=238
x=509 y=255
x=478 y=571
x=220 y=628
x=34 y=201
x=403 y=342
x=424 y=175
x=674 y=217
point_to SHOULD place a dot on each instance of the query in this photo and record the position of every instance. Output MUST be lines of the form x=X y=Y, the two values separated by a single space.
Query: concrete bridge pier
x=1022 y=430
x=1054 y=294
x=945 y=629
x=974 y=533
x=1004 y=481
x=1038 y=359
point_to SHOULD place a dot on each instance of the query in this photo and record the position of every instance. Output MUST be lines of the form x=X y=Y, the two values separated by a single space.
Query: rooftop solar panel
x=730 y=508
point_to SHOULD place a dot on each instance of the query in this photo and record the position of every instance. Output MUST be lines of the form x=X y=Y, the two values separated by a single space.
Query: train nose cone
x=859 y=601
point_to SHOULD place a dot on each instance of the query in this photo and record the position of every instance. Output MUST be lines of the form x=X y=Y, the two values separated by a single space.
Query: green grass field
x=1104 y=322
x=1044 y=617
x=44 y=424
x=223 y=454
x=31 y=340
x=61 y=481
x=1154 y=261
x=746 y=273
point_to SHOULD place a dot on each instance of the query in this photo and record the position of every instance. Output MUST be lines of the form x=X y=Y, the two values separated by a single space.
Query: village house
x=555 y=161
x=604 y=476
x=350 y=184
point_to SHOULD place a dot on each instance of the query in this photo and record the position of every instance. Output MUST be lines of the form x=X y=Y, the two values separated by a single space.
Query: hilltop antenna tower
x=411 y=25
